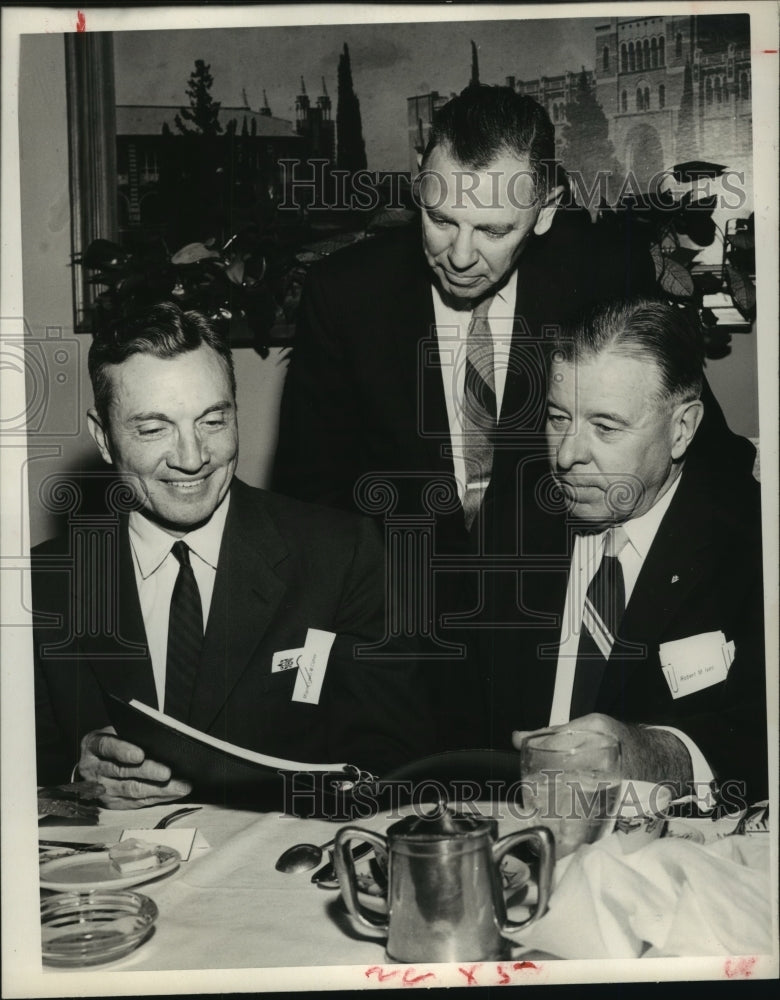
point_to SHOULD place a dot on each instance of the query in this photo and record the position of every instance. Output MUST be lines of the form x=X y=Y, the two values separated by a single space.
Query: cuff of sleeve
x=703 y=777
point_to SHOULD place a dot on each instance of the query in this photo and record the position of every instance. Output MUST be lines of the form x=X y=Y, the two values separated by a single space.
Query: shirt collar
x=642 y=530
x=151 y=544
x=505 y=297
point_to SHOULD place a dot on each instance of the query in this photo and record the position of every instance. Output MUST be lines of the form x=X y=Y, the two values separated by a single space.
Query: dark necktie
x=479 y=410
x=185 y=637
x=605 y=603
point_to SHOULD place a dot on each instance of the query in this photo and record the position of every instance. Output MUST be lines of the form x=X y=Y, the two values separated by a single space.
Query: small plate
x=82 y=872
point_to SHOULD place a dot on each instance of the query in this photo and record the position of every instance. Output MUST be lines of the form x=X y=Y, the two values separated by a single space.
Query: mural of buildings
x=639 y=76
x=142 y=147
x=553 y=93
x=419 y=115
x=640 y=73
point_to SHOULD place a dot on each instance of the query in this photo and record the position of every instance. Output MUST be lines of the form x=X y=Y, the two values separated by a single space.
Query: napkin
x=672 y=897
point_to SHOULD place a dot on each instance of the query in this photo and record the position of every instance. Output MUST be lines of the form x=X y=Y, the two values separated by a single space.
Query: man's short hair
x=641 y=328
x=483 y=122
x=162 y=330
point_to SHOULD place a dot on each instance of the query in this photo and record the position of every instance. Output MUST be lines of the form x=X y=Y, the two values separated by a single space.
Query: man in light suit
x=641 y=600
x=200 y=597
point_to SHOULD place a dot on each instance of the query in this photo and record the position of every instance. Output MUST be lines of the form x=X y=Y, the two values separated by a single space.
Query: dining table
x=227 y=906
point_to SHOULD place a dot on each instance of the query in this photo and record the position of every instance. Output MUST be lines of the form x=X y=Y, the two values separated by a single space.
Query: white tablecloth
x=229 y=908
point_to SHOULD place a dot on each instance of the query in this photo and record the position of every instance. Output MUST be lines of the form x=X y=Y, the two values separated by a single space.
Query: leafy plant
x=240 y=286
x=666 y=222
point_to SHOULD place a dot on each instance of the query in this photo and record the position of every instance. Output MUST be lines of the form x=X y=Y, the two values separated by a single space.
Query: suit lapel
x=413 y=325
x=247 y=592
x=682 y=554
x=125 y=669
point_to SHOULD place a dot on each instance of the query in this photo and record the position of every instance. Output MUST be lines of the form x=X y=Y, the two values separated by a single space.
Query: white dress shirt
x=156 y=569
x=586 y=559
x=451 y=333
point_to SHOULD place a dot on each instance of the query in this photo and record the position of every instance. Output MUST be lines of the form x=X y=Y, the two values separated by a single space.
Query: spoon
x=301 y=858
x=172 y=817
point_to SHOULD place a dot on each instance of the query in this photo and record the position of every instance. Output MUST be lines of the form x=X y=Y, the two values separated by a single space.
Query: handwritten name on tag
x=286 y=659
x=695 y=663
x=312 y=666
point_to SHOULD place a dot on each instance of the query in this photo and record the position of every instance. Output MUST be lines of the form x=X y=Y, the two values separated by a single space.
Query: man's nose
x=191 y=453
x=462 y=253
x=573 y=449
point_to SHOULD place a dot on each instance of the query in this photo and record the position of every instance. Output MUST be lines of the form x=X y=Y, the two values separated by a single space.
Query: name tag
x=286 y=659
x=695 y=663
x=312 y=665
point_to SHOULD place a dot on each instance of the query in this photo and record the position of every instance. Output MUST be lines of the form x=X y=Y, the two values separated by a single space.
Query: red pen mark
x=525 y=965
x=81 y=21
x=380 y=973
x=742 y=967
x=504 y=978
x=469 y=974
x=410 y=979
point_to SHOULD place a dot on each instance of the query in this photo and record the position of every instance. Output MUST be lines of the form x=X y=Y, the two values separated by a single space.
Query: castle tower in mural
x=314 y=123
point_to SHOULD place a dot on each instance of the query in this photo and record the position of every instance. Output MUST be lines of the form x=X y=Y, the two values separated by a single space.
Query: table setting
x=205 y=886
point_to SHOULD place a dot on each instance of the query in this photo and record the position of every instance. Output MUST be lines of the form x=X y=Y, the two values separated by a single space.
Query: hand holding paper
x=130 y=780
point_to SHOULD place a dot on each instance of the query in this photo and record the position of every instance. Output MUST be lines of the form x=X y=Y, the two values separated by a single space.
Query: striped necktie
x=185 y=637
x=479 y=410
x=605 y=603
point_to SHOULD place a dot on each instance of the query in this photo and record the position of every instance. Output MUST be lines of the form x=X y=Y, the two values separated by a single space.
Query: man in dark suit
x=382 y=410
x=638 y=607
x=203 y=597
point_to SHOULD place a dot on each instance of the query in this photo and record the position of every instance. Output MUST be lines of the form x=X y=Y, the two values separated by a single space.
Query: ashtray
x=88 y=928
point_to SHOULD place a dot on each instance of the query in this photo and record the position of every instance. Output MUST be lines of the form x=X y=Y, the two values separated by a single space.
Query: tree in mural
x=351 y=152
x=587 y=147
x=203 y=112
x=196 y=169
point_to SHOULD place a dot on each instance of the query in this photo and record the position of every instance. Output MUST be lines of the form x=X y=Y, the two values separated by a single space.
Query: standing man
x=199 y=599
x=650 y=576
x=388 y=328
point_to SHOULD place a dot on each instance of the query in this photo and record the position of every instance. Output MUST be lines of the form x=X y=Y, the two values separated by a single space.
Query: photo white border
x=22 y=975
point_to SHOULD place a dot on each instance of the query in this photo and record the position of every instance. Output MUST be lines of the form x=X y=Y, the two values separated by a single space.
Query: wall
x=57 y=382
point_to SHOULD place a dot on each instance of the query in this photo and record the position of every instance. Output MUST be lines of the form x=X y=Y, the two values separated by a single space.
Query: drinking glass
x=571 y=784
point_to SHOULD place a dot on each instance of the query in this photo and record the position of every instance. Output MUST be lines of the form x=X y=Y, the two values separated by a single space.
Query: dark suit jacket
x=702 y=574
x=283 y=567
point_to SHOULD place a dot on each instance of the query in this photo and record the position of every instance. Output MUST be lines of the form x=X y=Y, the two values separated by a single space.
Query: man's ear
x=547 y=213
x=99 y=435
x=685 y=422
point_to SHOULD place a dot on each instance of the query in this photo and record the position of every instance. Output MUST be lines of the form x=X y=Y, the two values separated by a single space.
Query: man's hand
x=130 y=780
x=648 y=754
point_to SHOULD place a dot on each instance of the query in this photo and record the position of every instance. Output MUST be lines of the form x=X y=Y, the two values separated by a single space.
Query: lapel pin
x=675 y=578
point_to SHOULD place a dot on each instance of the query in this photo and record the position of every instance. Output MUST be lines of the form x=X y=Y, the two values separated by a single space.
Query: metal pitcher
x=444 y=900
